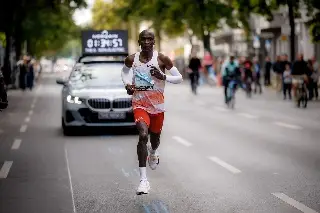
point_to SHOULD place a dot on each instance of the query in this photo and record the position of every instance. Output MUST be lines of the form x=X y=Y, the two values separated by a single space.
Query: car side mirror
x=61 y=81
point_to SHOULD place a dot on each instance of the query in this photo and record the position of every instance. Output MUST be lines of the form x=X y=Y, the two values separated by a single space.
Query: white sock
x=143 y=173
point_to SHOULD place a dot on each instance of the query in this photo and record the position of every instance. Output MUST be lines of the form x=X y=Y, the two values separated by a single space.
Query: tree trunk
x=7 y=64
x=158 y=38
x=206 y=40
x=292 y=30
x=18 y=45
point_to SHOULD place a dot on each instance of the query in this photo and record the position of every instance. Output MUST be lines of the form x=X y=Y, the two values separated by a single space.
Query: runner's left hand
x=157 y=73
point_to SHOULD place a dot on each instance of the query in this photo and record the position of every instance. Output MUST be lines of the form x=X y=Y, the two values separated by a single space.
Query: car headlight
x=74 y=99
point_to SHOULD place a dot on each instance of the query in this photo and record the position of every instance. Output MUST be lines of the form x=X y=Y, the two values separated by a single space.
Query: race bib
x=143 y=82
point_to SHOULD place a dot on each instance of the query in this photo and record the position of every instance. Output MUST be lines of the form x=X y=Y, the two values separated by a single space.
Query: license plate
x=111 y=115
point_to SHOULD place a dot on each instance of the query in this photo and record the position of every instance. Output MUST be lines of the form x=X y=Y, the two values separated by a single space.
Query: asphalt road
x=263 y=156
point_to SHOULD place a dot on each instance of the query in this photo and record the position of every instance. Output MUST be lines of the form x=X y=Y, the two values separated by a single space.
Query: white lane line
x=182 y=141
x=32 y=106
x=30 y=112
x=294 y=203
x=70 y=179
x=126 y=174
x=23 y=128
x=290 y=126
x=221 y=109
x=27 y=120
x=16 y=144
x=5 y=169
x=225 y=165
x=246 y=115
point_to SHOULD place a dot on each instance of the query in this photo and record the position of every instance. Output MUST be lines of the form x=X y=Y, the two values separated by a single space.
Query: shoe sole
x=143 y=193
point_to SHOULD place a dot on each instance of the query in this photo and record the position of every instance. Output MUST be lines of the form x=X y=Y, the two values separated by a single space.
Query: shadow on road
x=100 y=131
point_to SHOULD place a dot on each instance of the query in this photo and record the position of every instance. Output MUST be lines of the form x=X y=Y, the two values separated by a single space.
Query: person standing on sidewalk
x=3 y=92
x=287 y=82
x=277 y=69
x=267 y=71
x=257 y=75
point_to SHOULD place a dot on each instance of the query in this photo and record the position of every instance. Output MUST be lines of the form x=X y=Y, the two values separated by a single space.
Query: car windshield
x=97 y=75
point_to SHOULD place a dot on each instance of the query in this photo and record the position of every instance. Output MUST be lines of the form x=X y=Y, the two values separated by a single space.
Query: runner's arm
x=175 y=77
x=127 y=73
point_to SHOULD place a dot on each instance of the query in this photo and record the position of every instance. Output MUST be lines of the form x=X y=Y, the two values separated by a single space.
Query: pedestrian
x=30 y=74
x=208 y=65
x=23 y=69
x=277 y=69
x=267 y=71
x=313 y=81
x=257 y=75
x=299 y=71
x=146 y=83
x=3 y=92
x=287 y=82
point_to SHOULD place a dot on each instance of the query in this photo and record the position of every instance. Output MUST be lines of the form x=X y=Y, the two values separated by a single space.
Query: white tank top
x=149 y=94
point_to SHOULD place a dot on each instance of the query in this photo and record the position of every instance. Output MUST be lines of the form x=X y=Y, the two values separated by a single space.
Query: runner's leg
x=142 y=121
x=156 y=123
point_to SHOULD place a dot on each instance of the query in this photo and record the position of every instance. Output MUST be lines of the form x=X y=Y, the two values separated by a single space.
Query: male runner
x=146 y=83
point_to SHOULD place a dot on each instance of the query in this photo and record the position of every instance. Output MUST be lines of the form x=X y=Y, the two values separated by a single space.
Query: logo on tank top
x=142 y=78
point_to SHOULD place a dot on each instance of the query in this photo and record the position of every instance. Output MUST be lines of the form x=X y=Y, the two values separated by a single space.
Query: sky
x=83 y=16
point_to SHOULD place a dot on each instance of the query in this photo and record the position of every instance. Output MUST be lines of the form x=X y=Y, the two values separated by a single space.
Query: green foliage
x=104 y=16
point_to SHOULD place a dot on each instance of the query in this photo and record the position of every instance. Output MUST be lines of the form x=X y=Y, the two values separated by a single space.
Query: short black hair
x=143 y=32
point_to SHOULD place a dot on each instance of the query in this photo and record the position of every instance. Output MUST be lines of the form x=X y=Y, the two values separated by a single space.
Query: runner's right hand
x=130 y=89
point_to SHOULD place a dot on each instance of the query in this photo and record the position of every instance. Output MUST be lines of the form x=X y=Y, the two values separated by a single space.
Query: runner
x=146 y=83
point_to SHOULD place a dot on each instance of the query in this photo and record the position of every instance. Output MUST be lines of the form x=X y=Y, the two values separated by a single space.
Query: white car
x=94 y=95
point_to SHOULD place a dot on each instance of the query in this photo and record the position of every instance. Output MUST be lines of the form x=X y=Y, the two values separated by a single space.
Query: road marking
x=27 y=120
x=5 y=169
x=290 y=126
x=30 y=112
x=294 y=203
x=23 y=128
x=225 y=165
x=221 y=109
x=126 y=174
x=32 y=106
x=182 y=141
x=70 y=179
x=246 y=115
x=16 y=144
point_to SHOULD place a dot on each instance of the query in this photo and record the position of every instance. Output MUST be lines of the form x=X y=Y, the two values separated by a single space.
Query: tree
x=13 y=15
x=201 y=16
x=104 y=16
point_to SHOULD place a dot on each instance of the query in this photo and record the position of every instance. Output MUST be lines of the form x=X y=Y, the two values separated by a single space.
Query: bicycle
x=231 y=93
x=302 y=94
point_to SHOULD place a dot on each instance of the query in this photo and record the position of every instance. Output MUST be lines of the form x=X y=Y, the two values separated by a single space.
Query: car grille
x=122 y=103
x=99 y=103
x=92 y=117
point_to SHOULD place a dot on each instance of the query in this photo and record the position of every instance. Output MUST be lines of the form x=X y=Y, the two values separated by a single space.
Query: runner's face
x=146 y=42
